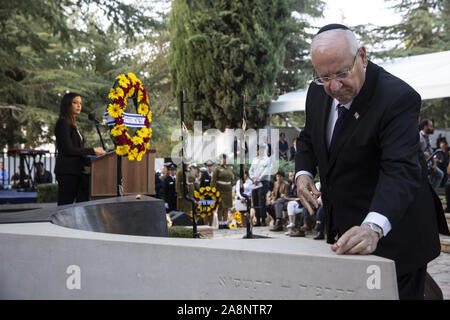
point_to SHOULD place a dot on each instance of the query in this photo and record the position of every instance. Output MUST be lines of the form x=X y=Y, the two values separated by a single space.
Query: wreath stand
x=184 y=132
x=249 y=234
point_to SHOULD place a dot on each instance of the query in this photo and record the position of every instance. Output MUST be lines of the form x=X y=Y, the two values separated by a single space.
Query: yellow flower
x=130 y=93
x=116 y=93
x=140 y=95
x=139 y=156
x=133 y=79
x=213 y=189
x=137 y=140
x=118 y=130
x=143 y=132
x=132 y=154
x=122 y=150
x=143 y=109
x=202 y=190
x=196 y=194
x=208 y=189
x=123 y=80
x=169 y=221
x=150 y=132
x=217 y=194
x=147 y=145
x=115 y=110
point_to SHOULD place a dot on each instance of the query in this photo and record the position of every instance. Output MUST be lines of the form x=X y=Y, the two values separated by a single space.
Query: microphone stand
x=100 y=135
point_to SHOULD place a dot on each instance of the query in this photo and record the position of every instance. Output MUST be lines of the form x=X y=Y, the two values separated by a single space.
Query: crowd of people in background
x=272 y=201
x=274 y=198
x=41 y=176
x=437 y=159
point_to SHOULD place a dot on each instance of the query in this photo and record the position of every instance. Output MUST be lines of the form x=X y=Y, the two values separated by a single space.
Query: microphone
x=92 y=118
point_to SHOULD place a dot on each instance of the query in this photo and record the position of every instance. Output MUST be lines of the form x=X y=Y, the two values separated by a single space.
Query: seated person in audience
x=42 y=175
x=295 y=212
x=279 y=187
x=248 y=187
x=442 y=158
x=15 y=180
x=4 y=177
x=282 y=202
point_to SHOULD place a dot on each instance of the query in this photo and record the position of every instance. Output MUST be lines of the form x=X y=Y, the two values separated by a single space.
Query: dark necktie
x=337 y=126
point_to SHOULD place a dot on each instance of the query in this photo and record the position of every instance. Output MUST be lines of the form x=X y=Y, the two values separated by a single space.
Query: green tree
x=425 y=28
x=221 y=50
x=44 y=53
x=297 y=67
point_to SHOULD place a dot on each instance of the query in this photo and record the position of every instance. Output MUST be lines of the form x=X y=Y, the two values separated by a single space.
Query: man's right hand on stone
x=307 y=193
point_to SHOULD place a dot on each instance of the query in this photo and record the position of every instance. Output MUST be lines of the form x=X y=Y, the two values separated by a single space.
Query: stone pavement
x=439 y=268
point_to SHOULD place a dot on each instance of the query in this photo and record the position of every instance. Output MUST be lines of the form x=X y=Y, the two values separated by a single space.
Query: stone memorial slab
x=46 y=261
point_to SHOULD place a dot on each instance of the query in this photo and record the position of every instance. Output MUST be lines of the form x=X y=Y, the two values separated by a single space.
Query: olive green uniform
x=183 y=204
x=222 y=180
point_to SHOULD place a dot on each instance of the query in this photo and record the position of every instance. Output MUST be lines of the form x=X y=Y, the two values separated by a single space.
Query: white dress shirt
x=373 y=217
x=260 y=168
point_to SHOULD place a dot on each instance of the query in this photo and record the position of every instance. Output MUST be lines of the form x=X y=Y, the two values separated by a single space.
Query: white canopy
x=428 y=74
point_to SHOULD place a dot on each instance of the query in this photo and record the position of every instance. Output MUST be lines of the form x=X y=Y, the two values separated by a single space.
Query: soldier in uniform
x=160 y=176
x=196 y=172
x=222 y=180
x=205 y=180
x=170 y=194
x=183 y=204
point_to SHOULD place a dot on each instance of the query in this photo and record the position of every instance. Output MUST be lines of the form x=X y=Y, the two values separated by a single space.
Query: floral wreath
x=128 y=86
x=211 y=198
x=236 y=220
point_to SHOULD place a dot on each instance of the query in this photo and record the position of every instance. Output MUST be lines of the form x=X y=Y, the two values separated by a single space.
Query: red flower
x=146 y=139
x=122 y=139
x=120 y=102
x=118 y=121
x=147 y=124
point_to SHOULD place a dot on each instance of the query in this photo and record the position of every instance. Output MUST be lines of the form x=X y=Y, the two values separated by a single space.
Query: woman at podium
x=72 y=166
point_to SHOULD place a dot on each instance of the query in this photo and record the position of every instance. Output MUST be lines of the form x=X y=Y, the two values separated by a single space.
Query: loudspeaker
x=180 y=218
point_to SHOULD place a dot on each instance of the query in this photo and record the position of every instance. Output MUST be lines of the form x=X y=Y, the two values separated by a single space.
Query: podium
x=137 y=177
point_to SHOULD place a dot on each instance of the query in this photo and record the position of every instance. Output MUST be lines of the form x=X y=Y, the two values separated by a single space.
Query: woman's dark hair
x=65 y=108
x=280 y=173
x=439 y=140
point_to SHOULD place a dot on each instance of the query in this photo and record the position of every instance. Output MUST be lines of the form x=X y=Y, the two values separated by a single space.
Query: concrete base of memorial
x=46 y=261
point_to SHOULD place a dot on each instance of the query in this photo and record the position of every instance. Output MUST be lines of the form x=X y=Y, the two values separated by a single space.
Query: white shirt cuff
x=379 y=220
x=303 y=172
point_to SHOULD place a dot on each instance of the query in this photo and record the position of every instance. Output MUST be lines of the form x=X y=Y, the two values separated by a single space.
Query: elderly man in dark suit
x=361 y=133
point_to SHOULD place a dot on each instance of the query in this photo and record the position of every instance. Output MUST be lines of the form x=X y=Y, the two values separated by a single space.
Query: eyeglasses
x=338 y=76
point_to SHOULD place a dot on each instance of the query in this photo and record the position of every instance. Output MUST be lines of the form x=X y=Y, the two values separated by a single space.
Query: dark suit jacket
x=292 y=155
x=375 y=164
x=170 y=193
x=71 y=152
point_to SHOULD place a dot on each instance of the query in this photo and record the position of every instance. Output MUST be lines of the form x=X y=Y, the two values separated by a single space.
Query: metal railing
x=11 y=165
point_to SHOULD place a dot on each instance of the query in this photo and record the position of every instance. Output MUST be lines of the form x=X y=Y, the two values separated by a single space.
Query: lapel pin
x=356 y=115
